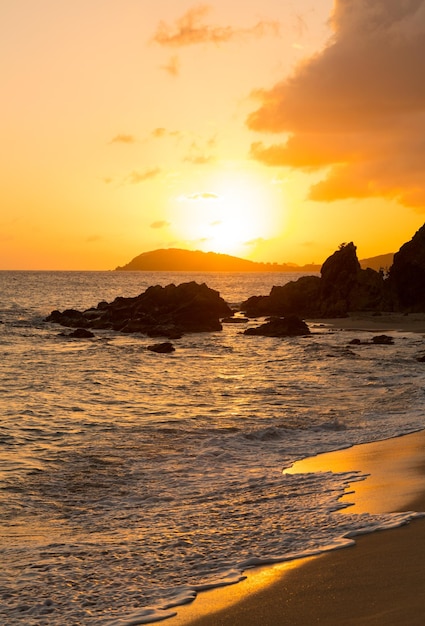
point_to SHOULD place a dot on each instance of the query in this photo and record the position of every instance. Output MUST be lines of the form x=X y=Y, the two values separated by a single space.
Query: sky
x=272 y=130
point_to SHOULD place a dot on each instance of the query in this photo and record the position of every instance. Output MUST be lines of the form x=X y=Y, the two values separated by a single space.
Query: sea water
x=130 y=480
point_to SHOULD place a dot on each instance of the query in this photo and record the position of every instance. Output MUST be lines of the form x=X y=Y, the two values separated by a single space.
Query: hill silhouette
x=176 y=259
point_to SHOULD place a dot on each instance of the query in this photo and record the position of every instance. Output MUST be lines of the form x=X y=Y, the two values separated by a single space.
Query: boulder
x=159 y=311
x=407 y=275
x=81 y=333
x=290 y=326
x=162 y=348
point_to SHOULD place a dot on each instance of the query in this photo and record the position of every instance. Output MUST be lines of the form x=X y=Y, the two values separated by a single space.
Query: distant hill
x=383 y=261
x=178 y=260
x=175 y=259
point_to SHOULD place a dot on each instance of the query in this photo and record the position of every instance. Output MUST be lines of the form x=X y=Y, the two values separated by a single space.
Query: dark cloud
x=356 y=108
x=190 y=29
x=160 y=224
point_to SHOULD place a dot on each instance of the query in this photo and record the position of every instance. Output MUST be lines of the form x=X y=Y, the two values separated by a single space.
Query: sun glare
x=229 y=218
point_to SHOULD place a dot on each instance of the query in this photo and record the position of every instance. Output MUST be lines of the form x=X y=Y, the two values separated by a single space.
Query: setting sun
x=236 y=212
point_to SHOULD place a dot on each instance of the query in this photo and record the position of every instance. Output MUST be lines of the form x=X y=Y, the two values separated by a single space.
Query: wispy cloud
x=140 y=177
x=159 y=133
x=206 y=195
x=123 y=138
x=200 y=154
x=160 y=224
x=172 y=67
x=93 y=238
x=191 y=29
x=357 y=109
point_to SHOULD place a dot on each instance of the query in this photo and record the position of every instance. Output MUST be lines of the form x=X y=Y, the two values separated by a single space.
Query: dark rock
x=407 y=275
x=81 y=333
x=234 y=320
x=159 y=311
x=421 y=359
x=299 y=297
x=355 y=342
x=162 y=348
x=383 y=340
x=342 y=287
x=290 y=326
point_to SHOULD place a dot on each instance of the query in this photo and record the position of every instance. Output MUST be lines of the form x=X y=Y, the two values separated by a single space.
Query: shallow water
x=130 y=480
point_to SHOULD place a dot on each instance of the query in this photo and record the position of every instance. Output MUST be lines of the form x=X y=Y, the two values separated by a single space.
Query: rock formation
x=407 y=275
x=159 y=311
x=290 y=326
x=342 y=287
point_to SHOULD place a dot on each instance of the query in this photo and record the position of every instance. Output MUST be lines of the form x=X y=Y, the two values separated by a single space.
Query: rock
x=407 y=275
x=159 y=311
x=162 y=348
x=81 y=333
x=234 y=320
x=383 y=340
x=290 y=326
x=342 y=287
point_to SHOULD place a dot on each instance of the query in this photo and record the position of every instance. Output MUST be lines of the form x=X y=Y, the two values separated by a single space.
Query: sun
x=233 y=214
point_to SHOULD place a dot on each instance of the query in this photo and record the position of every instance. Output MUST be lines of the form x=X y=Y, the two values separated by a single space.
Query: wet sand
x=380 y=581
x=383 y=322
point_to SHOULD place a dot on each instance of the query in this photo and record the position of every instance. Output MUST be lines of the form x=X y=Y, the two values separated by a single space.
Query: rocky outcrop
x=342 y=287
x=162 y=348
x=159 y=311
x=290 y=326
x=407 y=275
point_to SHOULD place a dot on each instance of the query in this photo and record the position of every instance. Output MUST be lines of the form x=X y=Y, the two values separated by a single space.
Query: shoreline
x=372 y=322
x=378 y=580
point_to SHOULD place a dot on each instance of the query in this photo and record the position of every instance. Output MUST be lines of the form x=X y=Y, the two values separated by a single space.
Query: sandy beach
x=380 y=580
x=373 y=322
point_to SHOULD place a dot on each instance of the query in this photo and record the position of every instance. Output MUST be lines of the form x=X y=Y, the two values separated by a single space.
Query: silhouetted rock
x=234 y=320
x=383 y=340
x=290 y=326
x=81 y=333
x=342 y=287
x=159 y=311
x=407 y=275
x=162 y=348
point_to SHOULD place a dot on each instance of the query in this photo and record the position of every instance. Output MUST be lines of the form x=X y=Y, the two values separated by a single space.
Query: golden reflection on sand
x=393 y=480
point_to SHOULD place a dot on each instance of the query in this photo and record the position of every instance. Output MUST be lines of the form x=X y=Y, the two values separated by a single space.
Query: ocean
x=130 y=480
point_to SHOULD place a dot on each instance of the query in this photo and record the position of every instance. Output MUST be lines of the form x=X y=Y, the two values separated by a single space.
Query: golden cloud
x=357 y=108
x=191 y=30
x=139 y=177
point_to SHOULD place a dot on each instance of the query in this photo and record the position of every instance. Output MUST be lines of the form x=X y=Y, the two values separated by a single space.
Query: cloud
x=357 y=108
x=159 y=133
x=206 y=195
x=139 y=177
x=200 y=155
x=160 y=224
x=190 y=29
x=172 y=67
x=123 y=139
x=93 y=238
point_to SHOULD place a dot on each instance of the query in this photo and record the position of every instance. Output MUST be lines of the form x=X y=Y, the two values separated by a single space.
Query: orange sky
x=274 y=132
